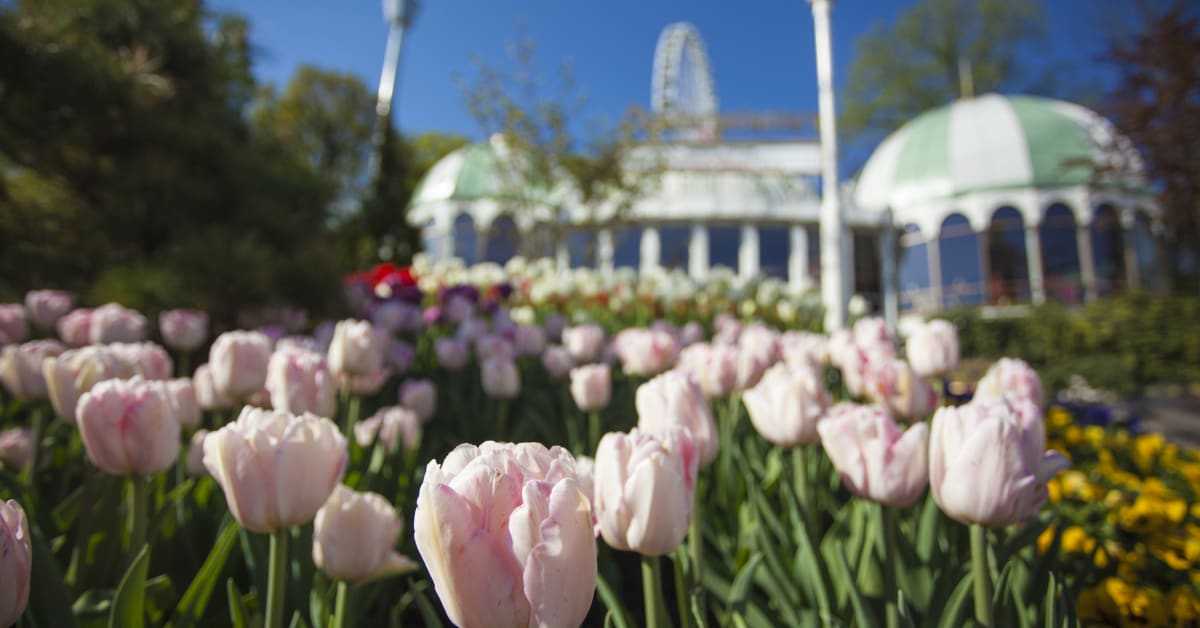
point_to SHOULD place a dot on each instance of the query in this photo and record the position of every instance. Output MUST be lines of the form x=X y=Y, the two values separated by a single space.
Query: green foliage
x=1122 y=344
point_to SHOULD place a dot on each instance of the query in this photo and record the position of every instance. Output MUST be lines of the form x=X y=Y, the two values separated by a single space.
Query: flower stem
x=137 y=514
x=593 y=431
x=652 y=592
x=36 y=427
x=696 y=550
x=891 y=593
x=681 y=590
x=339 y=613
x=276 y=578
x=353 y=407
x=502 y=420
x=980 y=576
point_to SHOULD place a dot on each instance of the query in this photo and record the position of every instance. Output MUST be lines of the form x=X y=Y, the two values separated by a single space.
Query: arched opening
x=1145 y=247
x=1060 y=255
x=1108 y=251
x=961 y=262
x=673 y=242
x=502 y=240
x=1008 y=266
x=723 y=243
x=466 y=240
x=774 y=247
x=581 y=248
x=813 y=235
x=868 y=280
x=913 y=271
x=627 y=247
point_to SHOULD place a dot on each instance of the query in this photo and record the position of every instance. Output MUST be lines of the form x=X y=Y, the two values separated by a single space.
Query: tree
x=935 y=51
x=1155 y=103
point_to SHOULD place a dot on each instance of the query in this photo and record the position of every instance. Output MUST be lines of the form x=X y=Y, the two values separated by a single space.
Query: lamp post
x=833 y=289
x=399 y=15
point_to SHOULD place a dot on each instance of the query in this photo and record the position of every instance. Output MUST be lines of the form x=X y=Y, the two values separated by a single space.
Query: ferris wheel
x=682 y=89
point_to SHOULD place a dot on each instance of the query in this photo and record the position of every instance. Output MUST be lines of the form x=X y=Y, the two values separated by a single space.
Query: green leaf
x=862 y=614
x=953 y=613
x=297 y=621
x=428 y=612
x=741 y=582
x=927 y=529
x=1049 y=604
x=192 y=605
x=237 y=612
x=129 y=604
x=48 y=593
x=616 y=610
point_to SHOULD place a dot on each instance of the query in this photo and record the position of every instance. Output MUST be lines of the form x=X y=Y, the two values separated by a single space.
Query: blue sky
x=761 y=50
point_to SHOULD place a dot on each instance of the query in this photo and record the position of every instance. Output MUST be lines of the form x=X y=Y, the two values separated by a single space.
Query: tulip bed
x=694 y=459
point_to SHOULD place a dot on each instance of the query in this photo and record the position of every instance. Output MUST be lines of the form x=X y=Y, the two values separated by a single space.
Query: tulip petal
x=560 y=574
x=660 y=501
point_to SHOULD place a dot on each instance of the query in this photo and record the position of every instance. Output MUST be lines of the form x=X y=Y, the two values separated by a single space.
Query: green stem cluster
x=276 y=579
x=981 y=577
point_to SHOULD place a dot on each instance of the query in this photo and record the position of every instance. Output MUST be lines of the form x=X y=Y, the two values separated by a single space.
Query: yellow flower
x=1057 y=418
x=1185 y=606
x=1075 y=485
x=1054 y=491
x=1149 y=513
x=1171 y=550
x=1076 y=540
x=1073 y=435
x=1045 y=539
x=1146 y=449
x=1094 y=434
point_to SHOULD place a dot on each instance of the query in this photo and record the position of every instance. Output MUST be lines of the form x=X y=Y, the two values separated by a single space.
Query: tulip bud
x=554 y=326
x=786 y=405
x=145 y=359
x=238 y=362
x=452 y=354
x=529 y=340
x=691 y=333
x=364 y=384
x=75 y=328
x=644 y=486
x=932 y=348
x=494 y=346
x=357 y=349
x=276 y=469
x=75 y=372
x=354 y=535
x=872 y=333
x=181 y=396
x=299 y=382
x=45 y=307
x=13 y=327
x=675 y=399
x=114 y=323
x=714 y=367
x=988 y=462
x=393 y=425
x=726 y=329
x=645 y=352
x=506 y=534
x=894 y=384
x=591 y=386
x=195 y=454
x=16 y=562
x=583 y=342
x=183 y=330
x=758 y=350
x=557 y=361
x=420 y=396
x=500 y=378
x=1010 y=377
x=127 y=427
x=21 y=367
x=800 y=349
x=16 y=447
x=876 y=460
x=206 y=390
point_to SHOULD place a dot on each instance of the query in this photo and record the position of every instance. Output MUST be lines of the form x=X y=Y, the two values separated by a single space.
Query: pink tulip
x=75 y=328
x=897 y=386
x=645 y=352
x=529 y=340
x=500 y=378
x=75 y=372
x=494 y=346
x=16 y=447
x=506 y=534
x=393 y=426
x=113 y=322
x=195 y=454
x=554 y=326
x=21 y=367
x=988 y=462
x=16 y=562
x=1010 y=377
x=584 y=342
x=364 y=384
x=644 y=486
x=674 y=399
x=276 y=469
x=876 y=460
x=726 y=330
x=181 y=396
x=801 y=349
x=206 y=390
x=691 y=333
x=591 y=386
x=145 y=359
x=298 y=381
x=13 y=326
x=128 y=428
x=758 y=350
x=238 y=362
x=872 y=334
x=183 y=330
x=357 y=349
x=420 y=396
x=932 y=348
x=452 y=354
x=714 y=367
x=354 y=535
x=786 y=405
x=45 y=307
x=557 y=361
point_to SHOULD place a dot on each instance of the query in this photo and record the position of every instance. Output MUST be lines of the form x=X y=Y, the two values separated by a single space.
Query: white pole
x=833 y=290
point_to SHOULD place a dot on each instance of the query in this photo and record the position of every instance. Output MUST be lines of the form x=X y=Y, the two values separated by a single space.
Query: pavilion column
x=887 y=257
x=748 y=252
x=848 y=269
x=798 y=258
x=604 y=250
x=698 y=252
x=562 y=254
x=651 y=246
x=934 y=249
x=834 y=270
x=1133 y=275
x=1033 y=256
x=1087 y=263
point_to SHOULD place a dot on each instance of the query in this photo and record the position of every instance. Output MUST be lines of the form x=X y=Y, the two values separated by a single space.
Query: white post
x=698 y=252
x=604 y=250
x=1087 y=264
x=650 y=247
x=798 y=258
x=1133 y=275
x=934 y=251
x=833 y=290
x=1033 y=255
x=847 y=267
x=887 y=259
x=748 y=252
